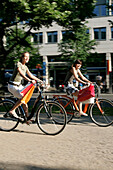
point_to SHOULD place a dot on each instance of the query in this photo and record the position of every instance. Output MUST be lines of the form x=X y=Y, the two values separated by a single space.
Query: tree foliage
x=77 y=41
x=26 y=45
x=76 y=44
x=35 y=14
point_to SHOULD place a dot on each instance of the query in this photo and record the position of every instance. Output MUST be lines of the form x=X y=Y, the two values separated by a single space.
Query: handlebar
x=97 y=89
x=41 y=85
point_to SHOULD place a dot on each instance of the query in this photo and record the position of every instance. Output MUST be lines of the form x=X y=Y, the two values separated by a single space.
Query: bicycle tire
x=47 y=122
x=105 y=119
x=69 y=107
x=7 y=123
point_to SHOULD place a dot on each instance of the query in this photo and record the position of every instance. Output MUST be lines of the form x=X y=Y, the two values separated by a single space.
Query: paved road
x=50 y=95
x=81 y=146
x=103 y=95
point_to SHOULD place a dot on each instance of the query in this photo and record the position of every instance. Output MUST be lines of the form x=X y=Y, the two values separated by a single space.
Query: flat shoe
x=14 y=115
x=83 y=114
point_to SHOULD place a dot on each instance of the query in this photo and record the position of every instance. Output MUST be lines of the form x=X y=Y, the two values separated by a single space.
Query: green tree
x=76 y=44
x=77 y=41
x=27 y=45
x=79 y=11
x=35 y=14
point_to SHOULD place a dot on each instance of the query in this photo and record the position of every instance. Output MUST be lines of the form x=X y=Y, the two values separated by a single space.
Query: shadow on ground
x=83 y=121
x=19 y=166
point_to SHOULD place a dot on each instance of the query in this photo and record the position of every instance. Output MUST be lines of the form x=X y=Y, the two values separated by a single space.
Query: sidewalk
x=107 y=96
x=51 y=93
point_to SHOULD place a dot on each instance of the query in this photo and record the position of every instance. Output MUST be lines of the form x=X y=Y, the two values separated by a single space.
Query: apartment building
x=100 y=29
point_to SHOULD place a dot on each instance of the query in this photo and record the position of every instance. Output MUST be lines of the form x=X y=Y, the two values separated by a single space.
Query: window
x=66 y=34
x=103 y=10
x=100 y=33
x=87 y=31
x=111 y=32
x=52 y=37
x=96 y=10
x=112 y=9
x=38 y=37
x=100 y=10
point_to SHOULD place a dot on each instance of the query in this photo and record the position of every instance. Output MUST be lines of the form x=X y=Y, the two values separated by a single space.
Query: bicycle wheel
x=7 y=123
x=48 y=115
x=69 y=107
x=102 y=118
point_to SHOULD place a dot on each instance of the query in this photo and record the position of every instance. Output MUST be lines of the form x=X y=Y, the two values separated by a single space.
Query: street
x=81 y=146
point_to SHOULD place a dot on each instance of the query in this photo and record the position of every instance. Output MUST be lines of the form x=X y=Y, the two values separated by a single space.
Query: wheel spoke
x=101 y=112
x=52 y=118
x=6 y=122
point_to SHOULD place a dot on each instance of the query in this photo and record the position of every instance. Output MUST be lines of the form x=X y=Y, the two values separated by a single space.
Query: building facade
x=100 y=29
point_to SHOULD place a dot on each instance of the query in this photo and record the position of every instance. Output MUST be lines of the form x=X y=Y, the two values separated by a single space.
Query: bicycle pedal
x=28 y=123
x=77 y=114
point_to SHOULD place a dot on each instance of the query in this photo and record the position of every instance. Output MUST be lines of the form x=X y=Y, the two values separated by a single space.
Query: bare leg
x=80 y=105
x=25 y=107
x=18 y=103
x=12 y=111
x=80 y=109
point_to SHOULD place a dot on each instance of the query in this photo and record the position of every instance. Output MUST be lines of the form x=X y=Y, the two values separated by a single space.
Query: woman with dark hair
x=15 y=84
x=75 y=73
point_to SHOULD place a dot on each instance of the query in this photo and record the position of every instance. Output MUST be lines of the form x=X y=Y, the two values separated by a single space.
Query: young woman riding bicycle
x=15 y=86
x=75 y=73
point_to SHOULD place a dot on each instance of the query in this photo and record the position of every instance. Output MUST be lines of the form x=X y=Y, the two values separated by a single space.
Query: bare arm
x=25 y=77
x=33 y=77
x=30 y=75
x=84 y=80
x=83 y=77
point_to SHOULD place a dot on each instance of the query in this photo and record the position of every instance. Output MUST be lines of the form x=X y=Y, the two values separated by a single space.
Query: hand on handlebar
x=41 y=83
x=33 y=81
x=87 y=83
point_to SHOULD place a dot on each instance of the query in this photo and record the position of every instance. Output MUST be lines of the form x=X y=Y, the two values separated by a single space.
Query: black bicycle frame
x=40 y=97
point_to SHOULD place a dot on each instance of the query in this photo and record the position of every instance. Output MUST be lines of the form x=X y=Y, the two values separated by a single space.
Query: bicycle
x=101 y=111
x=48 y=113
